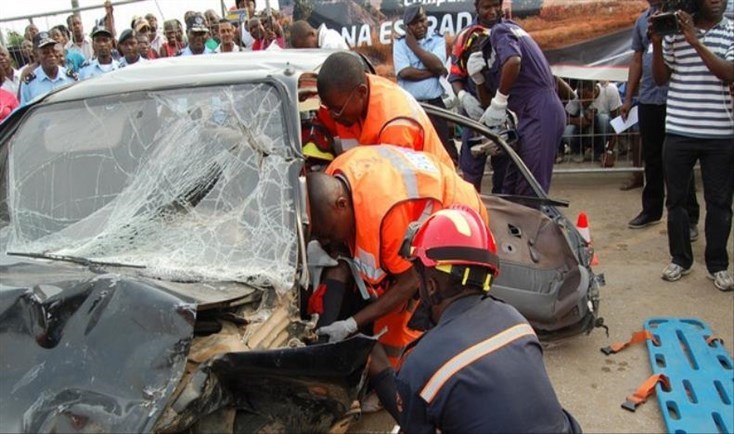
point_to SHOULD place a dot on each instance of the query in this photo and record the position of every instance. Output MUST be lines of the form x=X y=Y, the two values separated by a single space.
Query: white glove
x=496 y=113
x=339 y=330
x=471 y=105
x=474 y=67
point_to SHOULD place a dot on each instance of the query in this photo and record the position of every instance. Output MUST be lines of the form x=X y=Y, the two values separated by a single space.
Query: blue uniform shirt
x=187 y=51
x=649 y=92
x=403 y=57
x=39 y=84
x=123 y=61
x=93 y=68
x=504 y=389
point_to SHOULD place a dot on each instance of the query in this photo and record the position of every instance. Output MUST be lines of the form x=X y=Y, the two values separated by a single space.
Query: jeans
x=717 y=173
x=594 y=135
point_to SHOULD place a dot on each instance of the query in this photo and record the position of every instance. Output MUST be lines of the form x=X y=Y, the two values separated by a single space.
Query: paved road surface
x=589 y=384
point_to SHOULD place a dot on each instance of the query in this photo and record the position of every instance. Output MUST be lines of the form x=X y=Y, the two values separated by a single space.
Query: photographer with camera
x=698 y=63
x=651 y=111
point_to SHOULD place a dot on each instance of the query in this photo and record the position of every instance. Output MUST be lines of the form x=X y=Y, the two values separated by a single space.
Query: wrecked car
x=152 y=256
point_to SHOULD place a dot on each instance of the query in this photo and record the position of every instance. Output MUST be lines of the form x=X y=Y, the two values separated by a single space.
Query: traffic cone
x=582 y=225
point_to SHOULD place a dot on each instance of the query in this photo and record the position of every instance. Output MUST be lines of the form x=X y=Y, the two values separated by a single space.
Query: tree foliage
x=13 y=38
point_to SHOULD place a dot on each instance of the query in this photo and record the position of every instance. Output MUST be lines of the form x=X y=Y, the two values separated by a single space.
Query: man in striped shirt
x=698 y=64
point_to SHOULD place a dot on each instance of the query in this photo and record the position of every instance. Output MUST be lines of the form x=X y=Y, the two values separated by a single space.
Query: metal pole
x=66 y=11
x=75 y=6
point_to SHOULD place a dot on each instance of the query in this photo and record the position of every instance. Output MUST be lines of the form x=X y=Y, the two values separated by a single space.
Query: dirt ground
x=589 y=384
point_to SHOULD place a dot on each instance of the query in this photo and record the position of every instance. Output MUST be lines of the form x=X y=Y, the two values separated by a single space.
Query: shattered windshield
x=190 y=183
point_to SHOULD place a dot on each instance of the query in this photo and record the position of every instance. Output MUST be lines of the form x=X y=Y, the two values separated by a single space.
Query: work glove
x=318 y=259
x=471 y=105
x=339 y=330
x=496 y=114
x=474 y=67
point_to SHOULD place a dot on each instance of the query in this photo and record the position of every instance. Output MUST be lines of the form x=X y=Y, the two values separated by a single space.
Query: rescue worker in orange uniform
x=364 y=109
x=479 y=369
x=365 y=201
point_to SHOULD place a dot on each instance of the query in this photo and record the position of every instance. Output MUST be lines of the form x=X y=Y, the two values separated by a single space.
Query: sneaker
x=674 y=272
x=722 y=280
x=641 y=221
x=694 y=232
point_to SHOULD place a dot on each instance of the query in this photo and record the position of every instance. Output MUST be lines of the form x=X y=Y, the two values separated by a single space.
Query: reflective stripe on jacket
x=380 y=177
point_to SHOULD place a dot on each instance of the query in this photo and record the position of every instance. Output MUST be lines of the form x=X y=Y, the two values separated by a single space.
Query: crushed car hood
x=87 y=352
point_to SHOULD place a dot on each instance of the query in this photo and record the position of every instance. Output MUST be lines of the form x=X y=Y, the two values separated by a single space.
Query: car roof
x=203 y=70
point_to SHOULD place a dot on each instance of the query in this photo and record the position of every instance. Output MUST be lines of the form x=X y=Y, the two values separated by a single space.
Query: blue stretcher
x=701 y=374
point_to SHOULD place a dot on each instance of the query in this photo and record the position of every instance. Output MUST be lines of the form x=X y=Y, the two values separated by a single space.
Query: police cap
x=100 y=30
x=127 y=34
x=411 y=13
x=196 y=23
x=42 y=39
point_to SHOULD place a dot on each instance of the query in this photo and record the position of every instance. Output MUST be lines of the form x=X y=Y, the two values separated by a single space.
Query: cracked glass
x=193 y=184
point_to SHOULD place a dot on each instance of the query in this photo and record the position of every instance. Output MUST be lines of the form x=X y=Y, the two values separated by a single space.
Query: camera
x=666 y=23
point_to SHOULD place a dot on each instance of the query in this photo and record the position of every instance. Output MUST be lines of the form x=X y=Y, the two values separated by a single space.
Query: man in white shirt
x=305 y=36
x=156 y=39
x=226 y=36
x=79 y=41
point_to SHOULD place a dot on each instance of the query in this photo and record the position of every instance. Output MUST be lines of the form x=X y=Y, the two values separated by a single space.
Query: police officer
x=128 y=44
x=196 y=31
x=419 y=59
x=48 y=75
x=479 y=369
x=104 y=62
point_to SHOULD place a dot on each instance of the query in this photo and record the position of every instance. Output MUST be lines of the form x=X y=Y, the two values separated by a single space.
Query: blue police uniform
x=93 y=68
x=404 y=57
x=428 y=90
x=480 y=370
x=123 y=61
x=38 y=83
x=187 y=52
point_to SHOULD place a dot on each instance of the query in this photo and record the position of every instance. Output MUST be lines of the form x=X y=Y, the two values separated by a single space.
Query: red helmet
x=455 y=236
x=467 y=42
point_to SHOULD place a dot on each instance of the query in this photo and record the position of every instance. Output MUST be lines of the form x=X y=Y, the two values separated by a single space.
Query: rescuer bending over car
x=361 y=206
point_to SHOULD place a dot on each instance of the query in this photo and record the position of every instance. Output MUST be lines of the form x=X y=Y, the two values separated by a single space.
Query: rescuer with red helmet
x=480 y=366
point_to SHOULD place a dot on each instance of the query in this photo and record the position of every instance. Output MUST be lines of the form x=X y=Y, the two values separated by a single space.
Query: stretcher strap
x=645 y=391
x=711 y=340
x=637 y=337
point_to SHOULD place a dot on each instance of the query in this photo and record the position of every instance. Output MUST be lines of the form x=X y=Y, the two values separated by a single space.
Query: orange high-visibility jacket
x=392 y=187
x=393 y=117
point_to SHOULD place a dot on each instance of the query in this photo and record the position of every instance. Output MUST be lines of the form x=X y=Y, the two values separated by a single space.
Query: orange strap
x=645 y=391
x=638 y=336
x=713 y=339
